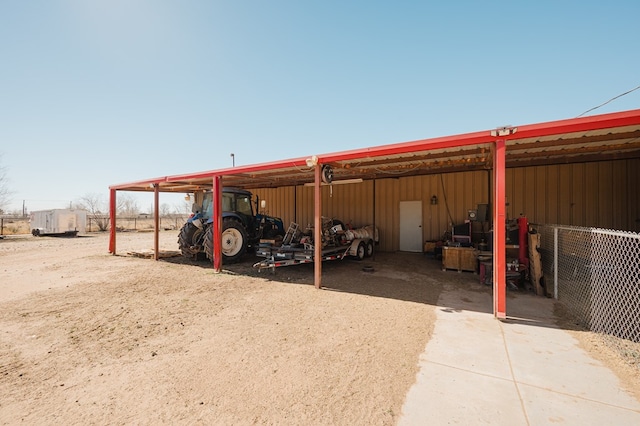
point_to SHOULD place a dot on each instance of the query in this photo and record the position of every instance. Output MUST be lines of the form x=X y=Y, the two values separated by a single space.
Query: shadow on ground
x=411 y=277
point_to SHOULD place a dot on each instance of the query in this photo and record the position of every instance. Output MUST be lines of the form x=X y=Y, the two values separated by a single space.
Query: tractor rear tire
x=190 y=236
x=234 y=241
x=185 y=239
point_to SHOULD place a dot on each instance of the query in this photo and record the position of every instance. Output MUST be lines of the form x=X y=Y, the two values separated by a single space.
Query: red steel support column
x=156 y=221
x=112 y=221
x=317 y=227
x=216 y=227
x=499 y=232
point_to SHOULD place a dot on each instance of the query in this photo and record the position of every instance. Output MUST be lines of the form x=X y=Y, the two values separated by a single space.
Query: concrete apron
x=522 y=371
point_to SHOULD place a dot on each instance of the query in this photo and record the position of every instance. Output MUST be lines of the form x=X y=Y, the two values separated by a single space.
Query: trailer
x=58 y=222
x=338 y=242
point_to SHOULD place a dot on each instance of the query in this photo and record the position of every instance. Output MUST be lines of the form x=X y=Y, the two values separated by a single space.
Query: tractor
x=242 y=229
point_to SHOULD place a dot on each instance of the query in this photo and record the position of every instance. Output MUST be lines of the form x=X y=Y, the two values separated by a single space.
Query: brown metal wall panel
x=588 y=194
x=518 y=194
x=577 y=204
x=605 y=178
x=620 y=216
x=539 y=213
x=280 y=202
x=552 y=175
x=591 y=195
x=387 y=202
x=564 y=197
x=350 y=203
x=305 y=206
x=634 y=190
x=632 y=194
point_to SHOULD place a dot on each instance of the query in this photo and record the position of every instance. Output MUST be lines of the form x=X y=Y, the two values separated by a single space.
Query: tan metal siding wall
x=602 y=194
x=633 y=189
x=387 y=212
x=351 y=203
x=280 y=202
x=456 y=193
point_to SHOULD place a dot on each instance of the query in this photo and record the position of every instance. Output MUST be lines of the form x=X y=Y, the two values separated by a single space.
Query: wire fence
x=17 y=225
x=595 y=274
x=135 y=223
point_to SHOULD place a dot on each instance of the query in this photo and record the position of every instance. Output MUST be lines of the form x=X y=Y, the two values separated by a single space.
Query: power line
x=614 y=98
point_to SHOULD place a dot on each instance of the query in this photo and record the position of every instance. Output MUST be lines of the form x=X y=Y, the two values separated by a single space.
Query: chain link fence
x=595 y=274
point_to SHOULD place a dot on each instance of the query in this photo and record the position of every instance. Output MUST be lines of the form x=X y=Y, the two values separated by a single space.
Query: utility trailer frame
x=276 y=257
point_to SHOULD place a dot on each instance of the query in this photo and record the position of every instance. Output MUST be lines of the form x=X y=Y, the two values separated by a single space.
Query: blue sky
x=94 y=93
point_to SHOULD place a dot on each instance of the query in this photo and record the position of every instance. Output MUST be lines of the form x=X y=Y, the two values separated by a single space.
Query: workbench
x=459 y=258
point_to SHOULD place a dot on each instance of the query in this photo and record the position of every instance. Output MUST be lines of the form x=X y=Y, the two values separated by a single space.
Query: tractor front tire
x=234 y=241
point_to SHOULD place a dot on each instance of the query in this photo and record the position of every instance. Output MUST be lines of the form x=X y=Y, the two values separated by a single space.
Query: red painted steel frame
x=618 y=119
x=317 y=232
x=581 y=124
x=112 y=221
x=217 y=223
x=499 y=232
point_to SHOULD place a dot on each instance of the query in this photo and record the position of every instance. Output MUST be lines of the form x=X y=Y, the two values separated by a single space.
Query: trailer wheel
x=369 y=251
x=361 y=251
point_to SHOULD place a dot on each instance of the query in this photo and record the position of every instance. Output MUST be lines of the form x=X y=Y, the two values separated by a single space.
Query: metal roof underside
x=588 y=139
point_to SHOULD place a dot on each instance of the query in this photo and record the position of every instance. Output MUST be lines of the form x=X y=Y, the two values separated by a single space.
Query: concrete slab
x=525 y=370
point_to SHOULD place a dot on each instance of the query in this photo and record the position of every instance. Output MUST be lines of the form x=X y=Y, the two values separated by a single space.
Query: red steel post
x=217 y=223
x=112 y=221
x=499 y=232
x=156 y=221
x=317 y=230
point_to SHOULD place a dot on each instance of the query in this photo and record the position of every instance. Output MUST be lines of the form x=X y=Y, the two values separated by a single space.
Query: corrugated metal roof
x=585 y=139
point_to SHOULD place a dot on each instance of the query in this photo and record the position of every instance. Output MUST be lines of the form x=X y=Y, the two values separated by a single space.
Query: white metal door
x=411 y=226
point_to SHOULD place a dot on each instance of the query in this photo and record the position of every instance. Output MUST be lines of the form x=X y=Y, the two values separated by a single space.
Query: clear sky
x=94 y=93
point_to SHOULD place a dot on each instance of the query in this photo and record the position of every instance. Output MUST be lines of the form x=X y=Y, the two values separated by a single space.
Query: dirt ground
x=87 y=337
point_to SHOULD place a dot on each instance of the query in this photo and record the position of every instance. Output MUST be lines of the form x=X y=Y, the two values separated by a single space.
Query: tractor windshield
x=243 y=205
x=207 y=205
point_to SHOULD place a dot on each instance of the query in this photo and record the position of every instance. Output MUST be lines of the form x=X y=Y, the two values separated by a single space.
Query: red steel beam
x=581 y=124
x=625 y=118
x=317 y=231
x=499 y=232
x=217 y=223
x=112 y=221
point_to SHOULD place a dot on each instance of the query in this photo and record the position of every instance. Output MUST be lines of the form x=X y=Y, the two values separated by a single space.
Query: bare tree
x=183 y=208
x=127 y=205
x=97 y=209
x=5 y=192
x=165 y=210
